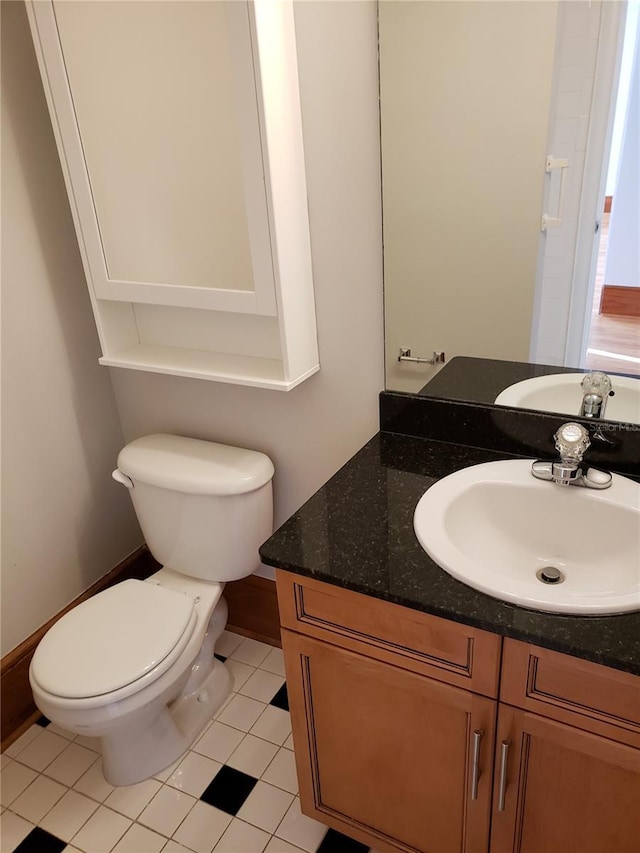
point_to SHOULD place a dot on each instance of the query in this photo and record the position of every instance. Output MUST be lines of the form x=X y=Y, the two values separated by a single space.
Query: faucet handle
x=571 y=441
x=598 y=383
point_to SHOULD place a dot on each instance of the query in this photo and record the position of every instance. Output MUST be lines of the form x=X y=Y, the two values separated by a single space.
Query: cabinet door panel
x=565 y=790
x=387 y=755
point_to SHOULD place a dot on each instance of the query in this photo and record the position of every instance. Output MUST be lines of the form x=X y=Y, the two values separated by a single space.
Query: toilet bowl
x=134 y=665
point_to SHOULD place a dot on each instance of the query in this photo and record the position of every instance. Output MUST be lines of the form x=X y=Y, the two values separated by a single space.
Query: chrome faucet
x=596 y=388
x=572 y=440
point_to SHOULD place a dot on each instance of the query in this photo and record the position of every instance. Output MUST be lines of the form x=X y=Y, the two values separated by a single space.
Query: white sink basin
x=561 y=392
x=494 y=526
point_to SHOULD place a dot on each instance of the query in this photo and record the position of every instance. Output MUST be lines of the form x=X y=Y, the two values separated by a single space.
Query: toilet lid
x=112 y=639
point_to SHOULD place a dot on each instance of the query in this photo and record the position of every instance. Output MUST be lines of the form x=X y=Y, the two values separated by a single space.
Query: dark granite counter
x=357 y=532
x=480 y=380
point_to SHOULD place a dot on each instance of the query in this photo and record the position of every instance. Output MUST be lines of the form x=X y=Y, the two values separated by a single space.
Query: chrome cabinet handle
x=475 y=764
x=502 y=791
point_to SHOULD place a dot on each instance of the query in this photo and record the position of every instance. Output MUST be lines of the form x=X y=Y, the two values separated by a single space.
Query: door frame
x=567 y=255
x=607 y=73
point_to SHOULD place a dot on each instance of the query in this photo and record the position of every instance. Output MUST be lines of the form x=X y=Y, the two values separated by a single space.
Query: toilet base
x=160 y=737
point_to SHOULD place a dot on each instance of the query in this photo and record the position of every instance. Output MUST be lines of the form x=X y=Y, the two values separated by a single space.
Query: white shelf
x=214 y=366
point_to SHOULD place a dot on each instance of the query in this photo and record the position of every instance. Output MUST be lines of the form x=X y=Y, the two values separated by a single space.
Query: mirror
x=532 y=386
x=467 y=90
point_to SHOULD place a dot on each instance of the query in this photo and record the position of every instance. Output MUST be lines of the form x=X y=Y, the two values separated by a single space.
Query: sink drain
x=549 y=574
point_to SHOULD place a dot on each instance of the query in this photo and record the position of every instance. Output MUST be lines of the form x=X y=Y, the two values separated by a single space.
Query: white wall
x=65 y=522
x=311 y=431
x=465 y=95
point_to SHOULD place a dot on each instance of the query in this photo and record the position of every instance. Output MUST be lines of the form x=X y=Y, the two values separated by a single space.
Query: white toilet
x=134 y=665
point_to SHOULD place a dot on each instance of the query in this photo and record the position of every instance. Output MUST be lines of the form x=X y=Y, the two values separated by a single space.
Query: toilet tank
x=204 y=508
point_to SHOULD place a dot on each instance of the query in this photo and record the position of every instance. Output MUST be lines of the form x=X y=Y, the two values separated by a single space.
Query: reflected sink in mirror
x=562 y=549
x=562 y=393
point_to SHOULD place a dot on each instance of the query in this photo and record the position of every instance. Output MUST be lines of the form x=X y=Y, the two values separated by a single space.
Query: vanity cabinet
x=180 y=138
x=393 y=717
x=416 y=733
x=567 y=773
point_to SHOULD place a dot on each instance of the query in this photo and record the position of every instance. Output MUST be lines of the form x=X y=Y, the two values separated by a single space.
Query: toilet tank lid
x=194 y=466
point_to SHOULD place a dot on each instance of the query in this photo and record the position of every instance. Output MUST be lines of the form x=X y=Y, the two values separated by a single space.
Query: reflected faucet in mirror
x=597 y=389
x=592 y=395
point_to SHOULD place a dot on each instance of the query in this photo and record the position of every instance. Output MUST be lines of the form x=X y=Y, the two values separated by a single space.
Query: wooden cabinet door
x=564 y=789
x=387 y=755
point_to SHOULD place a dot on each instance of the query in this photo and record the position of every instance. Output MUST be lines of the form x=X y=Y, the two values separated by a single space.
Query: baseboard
x=253 y=609
x=620 y=301
x=17 y=709
x=253 y=612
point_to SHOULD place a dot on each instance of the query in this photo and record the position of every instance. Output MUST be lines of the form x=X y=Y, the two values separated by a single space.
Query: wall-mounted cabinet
x=179 y=132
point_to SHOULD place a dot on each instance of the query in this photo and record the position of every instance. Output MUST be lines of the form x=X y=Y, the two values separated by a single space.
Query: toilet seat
x=126 y=636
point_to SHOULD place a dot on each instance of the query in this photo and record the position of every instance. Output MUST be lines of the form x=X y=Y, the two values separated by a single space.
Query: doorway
x=612 y=341
x=588 y=62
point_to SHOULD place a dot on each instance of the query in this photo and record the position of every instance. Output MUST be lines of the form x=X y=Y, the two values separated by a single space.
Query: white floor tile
x=58 y=730
x=240 y=672
x=25 y=738
x=14 y=779
x=242 y=712
x=89 y=742
x=240 y=837
x=262 y=685
x=289 y=742
x=265 y=806
x=4 y=760
x=300 y=830
x=273 y=724
x=72 y=762
x=129 y=800
x=227 y=643
x=251 y=651
x=218 y=742
x=202 y=828
x=13 y=830
x=194 y=773
x=276 y=845
x=101 y=832
x=282 y=772
x=42 y=750
x=93 y=784
x=224 y=705
x=167 y=810
x=68 y=815
x=253 y=756
x=139 y=839
x=274 y=662
x=70 y=849
x=173 y=847
x=41 y=795
x=163 y=775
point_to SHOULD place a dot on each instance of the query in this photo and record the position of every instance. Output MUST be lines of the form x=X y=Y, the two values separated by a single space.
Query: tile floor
x=234 y=791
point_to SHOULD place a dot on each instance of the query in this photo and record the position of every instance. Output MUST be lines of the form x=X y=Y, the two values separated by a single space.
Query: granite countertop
x=357 y=532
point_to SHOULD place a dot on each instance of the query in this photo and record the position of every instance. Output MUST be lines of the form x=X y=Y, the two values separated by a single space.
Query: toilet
x=134 y=665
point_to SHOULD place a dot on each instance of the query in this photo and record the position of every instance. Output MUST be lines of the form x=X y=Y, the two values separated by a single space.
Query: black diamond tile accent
x=281 y=699
x=229 y=789
x=221 y=658
x=40 y=841
x=336 y=842
x=43 y=721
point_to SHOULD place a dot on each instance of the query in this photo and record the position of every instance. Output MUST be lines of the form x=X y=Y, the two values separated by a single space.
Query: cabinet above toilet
x=179 y=132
